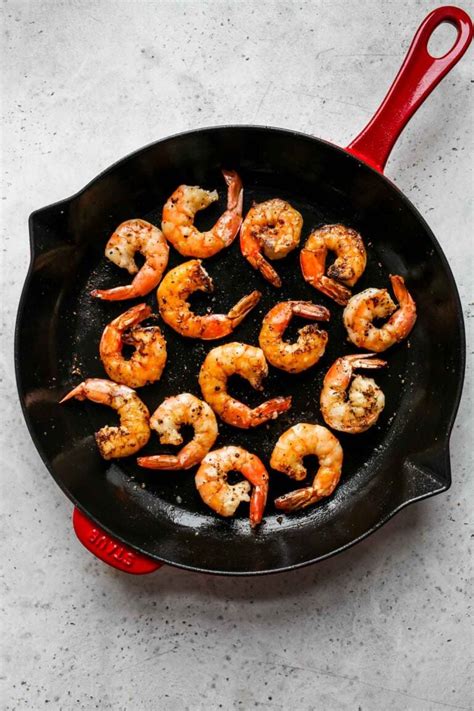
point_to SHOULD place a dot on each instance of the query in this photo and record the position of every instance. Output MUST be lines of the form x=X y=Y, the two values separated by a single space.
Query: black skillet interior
x=403 y=458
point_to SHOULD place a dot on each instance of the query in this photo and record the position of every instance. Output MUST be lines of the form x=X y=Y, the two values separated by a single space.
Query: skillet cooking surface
x=402 y=458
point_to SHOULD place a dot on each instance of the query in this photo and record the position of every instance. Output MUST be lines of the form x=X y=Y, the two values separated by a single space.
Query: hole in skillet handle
x=442 y=40
x=108 y=549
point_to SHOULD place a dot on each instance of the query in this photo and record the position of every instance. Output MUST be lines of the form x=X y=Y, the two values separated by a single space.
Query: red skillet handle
x=110 y=550
x=418 y=76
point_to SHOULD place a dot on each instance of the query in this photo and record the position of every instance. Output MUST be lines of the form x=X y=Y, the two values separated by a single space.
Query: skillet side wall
x=404 y=458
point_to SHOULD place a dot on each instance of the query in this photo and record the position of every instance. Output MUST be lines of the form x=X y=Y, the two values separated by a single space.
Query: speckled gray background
x=383 y=626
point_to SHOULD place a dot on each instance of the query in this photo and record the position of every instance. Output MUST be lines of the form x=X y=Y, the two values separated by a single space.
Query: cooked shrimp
x=224 y=498
x=308 y=349
x=370 y=304
x=174 y=291
x=184 y=409
x=147 y=362
x=134 y=430
x=356 y=409
x=248 y=362
x=297 y=442
x=347 y=268
x=181 y=208
x=130 y=237
x=273 y=227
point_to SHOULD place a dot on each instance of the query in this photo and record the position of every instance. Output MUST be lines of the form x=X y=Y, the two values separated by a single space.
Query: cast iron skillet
x=160 y=515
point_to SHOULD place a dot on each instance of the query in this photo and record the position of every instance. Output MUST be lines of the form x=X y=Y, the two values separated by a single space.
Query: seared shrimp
x=356 y=409
x=181 y=208
x=297 y=442
x=130 y=237
x=224 y=498
x=147 y=362
x=134 y=430
x=248 y=362
x=370 y=304
x=184 y=409
x=347 y=268
x=273 y=227
x=308 y=349
x=174 y=291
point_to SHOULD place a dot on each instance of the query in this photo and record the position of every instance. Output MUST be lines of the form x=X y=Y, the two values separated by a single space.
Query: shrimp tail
x=298 y=499
x=116 y=294
x=266 y=270
x=403 y=296
x=133 y=316
x=271 y=409
x=77 y=392
x=405 y=317
x=235 y=192
x=306 y=309
x=257 y=504
x=331 y=288
x=365 y=360
x=250 y=249
x=312 y=267
x=243 y=307
x=160 y=461
x=398 y=286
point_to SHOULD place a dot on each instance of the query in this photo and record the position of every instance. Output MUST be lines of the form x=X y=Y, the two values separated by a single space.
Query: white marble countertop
x=382 y=626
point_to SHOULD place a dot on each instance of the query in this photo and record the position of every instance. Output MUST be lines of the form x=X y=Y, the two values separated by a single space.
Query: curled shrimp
x=133 y=432
x=248 y=362
x=311 y=343
x=273 y=227
x=300 y=441
x=224 y=498
x=147 y=362
x=356 y=409
x=348 y=266
x=370 y=304
x=130 y=237
x=181 y=208
x=184 y=409
x=174 y=291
